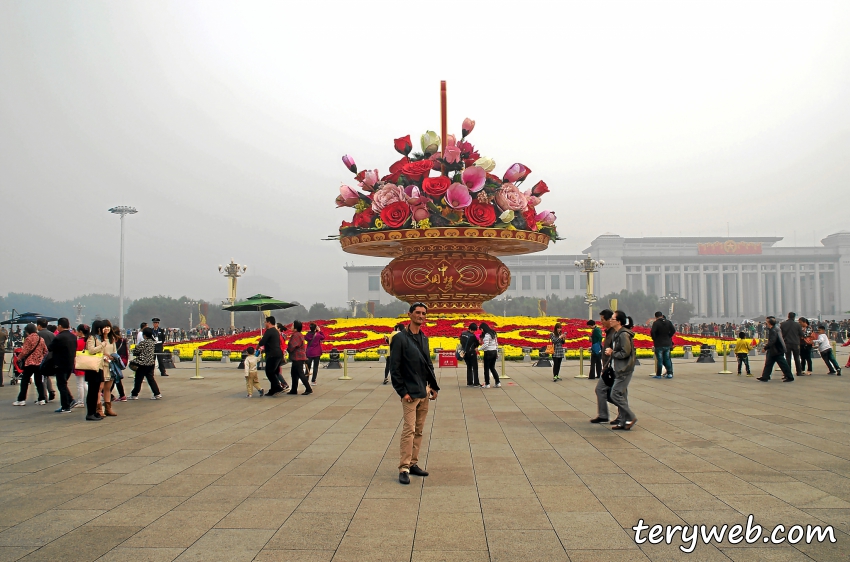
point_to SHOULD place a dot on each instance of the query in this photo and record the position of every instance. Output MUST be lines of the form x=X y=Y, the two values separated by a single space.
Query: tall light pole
x=122 y=211
x=79 y=308
x=589 y=266
x=233 y=272
x=190 y=304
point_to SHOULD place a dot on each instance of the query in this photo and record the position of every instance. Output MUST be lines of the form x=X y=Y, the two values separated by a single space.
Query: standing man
x=159 y=341
x=63 y=347
x=270 y=342
x=792 y=333
x=413 y=379
x=4 y=336
x=775 y=353
x=469 y=345
x=47 y=364
x=662 y=339
x=595 y=350
x=602 y=389
x=140 y=337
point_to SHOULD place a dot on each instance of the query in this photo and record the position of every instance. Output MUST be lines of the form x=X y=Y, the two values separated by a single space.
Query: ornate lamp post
x=233 y=272
x=122 y=211
x=190 y=304
x=353 y=304
x=79 y=308
x=589 y=266
x=505 y=301
x=671 y=299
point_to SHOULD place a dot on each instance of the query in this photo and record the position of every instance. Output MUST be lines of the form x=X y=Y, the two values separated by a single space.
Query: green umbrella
x=259 y=303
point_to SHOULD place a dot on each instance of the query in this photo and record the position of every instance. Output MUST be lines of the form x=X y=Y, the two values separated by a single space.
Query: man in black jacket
x=469 y=345
x=662 y=340
x=412 y=373
x=64 y=350
x=792 y=335
x=775 y=353
x=270 y=343
x=47 y=368
x=159 y=341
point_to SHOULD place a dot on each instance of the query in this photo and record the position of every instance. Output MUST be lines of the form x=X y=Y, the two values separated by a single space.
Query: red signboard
x=730 y=247
x=448 y=359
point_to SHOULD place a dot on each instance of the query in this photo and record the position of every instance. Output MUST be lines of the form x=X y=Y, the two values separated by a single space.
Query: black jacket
x=271 y=343
x=662 y=333
x=411 y=369
x=64 y=349
x=775 y=345
x=792 y=333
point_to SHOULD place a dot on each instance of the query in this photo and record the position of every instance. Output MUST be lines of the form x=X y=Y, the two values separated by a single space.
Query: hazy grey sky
x=224 y=124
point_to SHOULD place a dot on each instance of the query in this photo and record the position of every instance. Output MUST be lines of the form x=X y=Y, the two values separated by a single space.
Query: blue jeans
x=662 y=359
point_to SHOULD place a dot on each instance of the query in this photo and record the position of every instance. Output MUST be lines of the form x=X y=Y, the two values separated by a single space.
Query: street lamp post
x=79 y=308
x=122 y=211
x=589 y=266
x=232 y=271
x=671 y=299
x=353 y=304
x=505 y=305
x=190 y=304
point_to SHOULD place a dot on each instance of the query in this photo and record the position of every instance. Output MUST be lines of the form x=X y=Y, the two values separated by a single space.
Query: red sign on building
x=730 y=247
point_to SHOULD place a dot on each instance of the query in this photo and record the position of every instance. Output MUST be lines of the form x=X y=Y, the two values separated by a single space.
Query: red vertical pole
x=443 y=125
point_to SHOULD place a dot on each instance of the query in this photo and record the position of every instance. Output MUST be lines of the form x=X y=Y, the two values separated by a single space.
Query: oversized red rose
x=415 y=170
x=403 y=145
x=540 y=188
x=364 y=218
x=530 y=218
x=480 y=214
x=395 y=170
x=395 y=214
x=436 y=187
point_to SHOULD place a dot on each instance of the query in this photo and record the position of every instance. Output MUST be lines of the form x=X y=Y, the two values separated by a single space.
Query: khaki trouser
x=411 y=434
x=252 y=381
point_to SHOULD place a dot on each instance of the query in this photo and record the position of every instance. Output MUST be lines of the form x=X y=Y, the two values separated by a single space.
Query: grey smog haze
x=224 y=124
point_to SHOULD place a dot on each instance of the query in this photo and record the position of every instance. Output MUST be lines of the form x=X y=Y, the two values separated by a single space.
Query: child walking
x=742 y=351
x=252 y=381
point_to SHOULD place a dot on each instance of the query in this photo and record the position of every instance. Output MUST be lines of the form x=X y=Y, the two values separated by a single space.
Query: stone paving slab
x=517 y=473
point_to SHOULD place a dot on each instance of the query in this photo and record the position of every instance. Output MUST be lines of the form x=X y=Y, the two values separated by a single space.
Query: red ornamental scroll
x=730 y=247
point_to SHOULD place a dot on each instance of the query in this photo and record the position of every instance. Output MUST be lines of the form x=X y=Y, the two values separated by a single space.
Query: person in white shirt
x=252 y=381
x=140 y=337
x=490 y=347
x=825 y=349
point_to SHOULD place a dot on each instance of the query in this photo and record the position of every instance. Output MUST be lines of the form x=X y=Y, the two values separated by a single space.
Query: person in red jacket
x=297 y=349
x=32 y=352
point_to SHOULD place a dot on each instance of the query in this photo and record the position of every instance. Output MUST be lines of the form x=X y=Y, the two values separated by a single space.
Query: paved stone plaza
x=517 y=473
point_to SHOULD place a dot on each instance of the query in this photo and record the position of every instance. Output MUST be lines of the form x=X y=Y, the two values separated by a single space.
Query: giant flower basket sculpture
x=444 y=217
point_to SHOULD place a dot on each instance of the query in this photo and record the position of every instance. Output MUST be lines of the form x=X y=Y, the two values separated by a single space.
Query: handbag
x=550 y=349
x=608 y=375
x=133 y=366
x=596 y=348
x=85 y=361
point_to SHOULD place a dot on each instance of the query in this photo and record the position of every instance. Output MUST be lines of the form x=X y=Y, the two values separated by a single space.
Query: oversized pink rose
x=510 y=198
x=388 y=194
x=370 y=178
x=347 y=197
x=533 y=200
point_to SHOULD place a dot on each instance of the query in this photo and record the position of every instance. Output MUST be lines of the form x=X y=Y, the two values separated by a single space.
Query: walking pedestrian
x=469 y=348
x=826 y=353
x=603 y=390
x=159 y=335
x=297 y=348
x=140 y=335
x=595 y=350
x=270 y=343
x=792 y=334
x=775 y=353
x=557 y=339
x=806 y=347
x=123 y=354
x=83 y=333
x=144 y=355
x=252 y=381
x=103 y=341
x=64 y=350
x=4 y=336
x=743 y=345
x=662 y=339
x=623 y=354
x=283 y=384
x=388 y=339
x=314 y=350
x=413 y=379
x=46 y=367
x=32 y=353
x=490 y=347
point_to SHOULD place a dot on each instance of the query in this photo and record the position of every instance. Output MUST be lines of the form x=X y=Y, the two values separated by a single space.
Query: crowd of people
x=97 y=355
x=837 y=330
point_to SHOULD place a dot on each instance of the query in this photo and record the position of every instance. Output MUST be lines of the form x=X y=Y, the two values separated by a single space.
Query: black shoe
x=164 y=375
x=416 y=471
x=93 y=418
x=615 y=422
x=404 y=478
x=620 y=428
x=271 y=393
x=786 y=379
x=51 y=397
x=306 y=393
x=590 y=378
x=292 y=392
x=762 y=379
x=261 y=392
x=386 y=381
x=599 y=420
